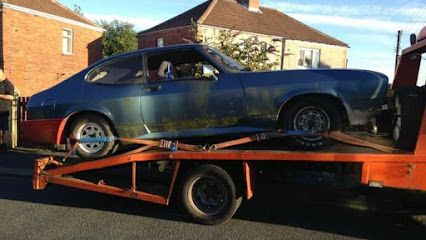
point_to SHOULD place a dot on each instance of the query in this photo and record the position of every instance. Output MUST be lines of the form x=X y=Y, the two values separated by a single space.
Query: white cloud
x=413 y=13
x=359 y=23
x=385 y=39
x=379 y=61
x=387 y=69
x=340 y=10
x=365 y=24
x=139 y=22
x=411 y=16
x=379 y=11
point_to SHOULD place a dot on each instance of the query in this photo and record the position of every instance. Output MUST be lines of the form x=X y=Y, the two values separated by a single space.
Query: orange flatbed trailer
x=405 y=170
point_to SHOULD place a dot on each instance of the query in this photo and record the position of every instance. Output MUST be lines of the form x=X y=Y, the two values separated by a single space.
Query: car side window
x=179 y=65
x=122 y=71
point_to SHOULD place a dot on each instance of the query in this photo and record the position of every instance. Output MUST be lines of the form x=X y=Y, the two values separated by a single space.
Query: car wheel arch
x=326 y=96
x=75 y=115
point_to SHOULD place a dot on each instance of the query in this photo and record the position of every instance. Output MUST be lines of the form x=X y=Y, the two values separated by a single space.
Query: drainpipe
x=282 y=53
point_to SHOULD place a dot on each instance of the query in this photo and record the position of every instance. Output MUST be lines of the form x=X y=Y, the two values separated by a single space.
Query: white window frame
x=160 y=42
x=68 y=49
x=314 y=65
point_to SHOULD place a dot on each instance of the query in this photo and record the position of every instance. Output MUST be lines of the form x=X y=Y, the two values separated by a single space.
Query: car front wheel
x=92 y=126
x=311 y=116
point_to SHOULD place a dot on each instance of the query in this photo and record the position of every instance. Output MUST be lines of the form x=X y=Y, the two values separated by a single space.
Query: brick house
x=42 y=43
x=296 y=45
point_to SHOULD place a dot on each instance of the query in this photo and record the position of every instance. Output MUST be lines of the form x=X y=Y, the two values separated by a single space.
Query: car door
x=114 y=89
x=192 y=101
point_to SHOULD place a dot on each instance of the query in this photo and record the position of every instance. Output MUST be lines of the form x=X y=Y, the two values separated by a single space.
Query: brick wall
x=32 y=51
x=1 y=39
x=171 y=37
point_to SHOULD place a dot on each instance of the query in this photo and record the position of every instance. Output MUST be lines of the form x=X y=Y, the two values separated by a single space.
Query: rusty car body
x=192 y=91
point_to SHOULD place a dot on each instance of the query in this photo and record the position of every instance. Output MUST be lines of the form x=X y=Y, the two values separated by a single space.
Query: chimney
x=252 y=5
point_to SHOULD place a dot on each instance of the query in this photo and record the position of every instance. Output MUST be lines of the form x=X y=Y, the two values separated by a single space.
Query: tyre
x=314 y=115
x=89 y=126
x=209 y=195
x=409 y=107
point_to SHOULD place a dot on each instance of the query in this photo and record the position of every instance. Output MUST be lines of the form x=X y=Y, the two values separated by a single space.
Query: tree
x=78 y=10
x=248 y=51
x=119 y=37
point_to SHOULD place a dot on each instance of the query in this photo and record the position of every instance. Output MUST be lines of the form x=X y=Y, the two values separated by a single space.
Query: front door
x=114 y=89
x=186 y=96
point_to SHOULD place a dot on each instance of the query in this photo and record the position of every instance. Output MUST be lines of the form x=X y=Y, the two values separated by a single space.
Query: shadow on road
x=365 y=213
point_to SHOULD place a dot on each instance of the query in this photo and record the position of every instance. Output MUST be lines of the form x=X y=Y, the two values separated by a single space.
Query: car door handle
x=152 y=88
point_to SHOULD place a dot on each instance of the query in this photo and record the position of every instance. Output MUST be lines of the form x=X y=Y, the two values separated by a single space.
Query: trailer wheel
x=87 y=126
x=209 y=195
x=409 y=106
x=315 y=115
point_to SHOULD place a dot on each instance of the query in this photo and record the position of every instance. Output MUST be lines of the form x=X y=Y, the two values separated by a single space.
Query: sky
x=368 y=26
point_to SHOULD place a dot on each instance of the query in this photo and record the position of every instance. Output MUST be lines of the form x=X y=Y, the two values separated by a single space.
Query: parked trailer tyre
x=209 y=195
x=409 y=107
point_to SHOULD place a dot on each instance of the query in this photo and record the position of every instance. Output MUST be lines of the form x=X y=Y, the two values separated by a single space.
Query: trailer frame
x=405 y=170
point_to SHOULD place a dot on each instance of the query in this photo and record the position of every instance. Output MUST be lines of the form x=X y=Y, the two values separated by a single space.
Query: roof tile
x=232 y=15
x=51 y=7
x=183 y=19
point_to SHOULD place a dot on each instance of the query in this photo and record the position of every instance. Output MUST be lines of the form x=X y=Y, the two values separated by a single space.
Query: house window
x=160 y=42
x=67 y=41
x=309 y=58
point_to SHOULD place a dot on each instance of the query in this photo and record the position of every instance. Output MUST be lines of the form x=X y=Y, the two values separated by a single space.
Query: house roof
x=184 y=19
x=230 y=14
x=52 y=7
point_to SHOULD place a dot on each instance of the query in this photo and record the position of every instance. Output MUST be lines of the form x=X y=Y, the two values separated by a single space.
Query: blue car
x=194 y=91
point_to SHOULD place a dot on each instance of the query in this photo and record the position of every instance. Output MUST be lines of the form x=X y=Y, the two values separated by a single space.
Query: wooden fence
x=18 y=114
x=22 y=114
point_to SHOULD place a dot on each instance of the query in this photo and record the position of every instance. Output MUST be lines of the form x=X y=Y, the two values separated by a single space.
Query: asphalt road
x=278 y=211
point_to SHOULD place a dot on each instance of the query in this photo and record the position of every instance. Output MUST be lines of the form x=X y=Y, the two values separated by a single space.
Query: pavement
x=278 y=211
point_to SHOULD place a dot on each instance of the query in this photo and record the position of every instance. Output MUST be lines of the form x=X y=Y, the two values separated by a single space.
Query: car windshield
x=227 y=62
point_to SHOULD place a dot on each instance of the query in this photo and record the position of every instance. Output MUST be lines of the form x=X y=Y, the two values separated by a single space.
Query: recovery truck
x=210 y=181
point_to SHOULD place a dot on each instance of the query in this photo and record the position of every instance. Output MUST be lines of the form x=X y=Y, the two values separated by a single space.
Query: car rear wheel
x=311 y=116
x=92 y=126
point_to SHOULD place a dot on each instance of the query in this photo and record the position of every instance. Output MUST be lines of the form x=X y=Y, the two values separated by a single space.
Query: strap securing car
x=255 y=138
x=171 y=145
x=97 y=140
x=176 y=145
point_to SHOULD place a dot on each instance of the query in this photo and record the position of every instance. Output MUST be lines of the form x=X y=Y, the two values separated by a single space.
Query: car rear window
x=123 y=71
